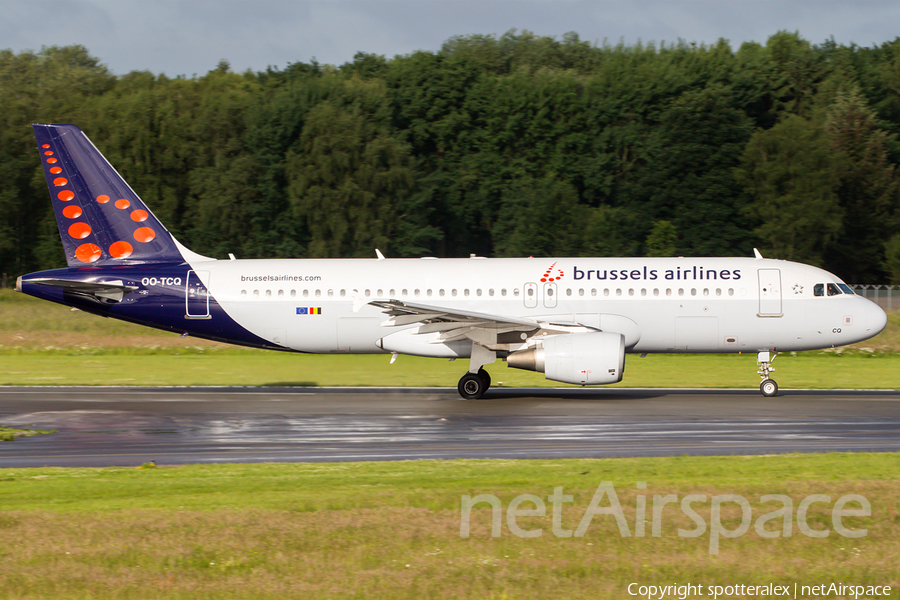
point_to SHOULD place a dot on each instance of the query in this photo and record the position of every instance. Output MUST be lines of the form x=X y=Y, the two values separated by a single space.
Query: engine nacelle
x=581 y=358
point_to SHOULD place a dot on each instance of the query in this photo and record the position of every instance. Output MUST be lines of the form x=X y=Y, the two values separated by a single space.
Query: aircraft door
x=550 y=295
x=196 y=295
x=530 y=295
x=770 y=293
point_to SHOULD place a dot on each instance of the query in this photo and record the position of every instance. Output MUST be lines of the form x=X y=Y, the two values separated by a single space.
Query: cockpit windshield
x=832 y=289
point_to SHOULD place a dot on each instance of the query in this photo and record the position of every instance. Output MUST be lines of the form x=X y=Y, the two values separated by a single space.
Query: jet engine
x=581 y=358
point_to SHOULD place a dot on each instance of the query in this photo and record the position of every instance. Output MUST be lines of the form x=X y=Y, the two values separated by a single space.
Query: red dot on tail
x=72 y=211
x=121 y=249
x=66 y=195
x=88 y=253
x=144 y=234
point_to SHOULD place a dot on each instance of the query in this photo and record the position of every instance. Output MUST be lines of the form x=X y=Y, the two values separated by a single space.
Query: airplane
x=573 y=319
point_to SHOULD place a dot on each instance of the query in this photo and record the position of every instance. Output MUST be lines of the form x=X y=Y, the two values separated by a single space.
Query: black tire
x=768 y=388
x=471 y=386
x=486 y=377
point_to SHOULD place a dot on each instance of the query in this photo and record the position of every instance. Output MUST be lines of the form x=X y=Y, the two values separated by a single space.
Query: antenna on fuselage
x=756 y=253
x=379 y=254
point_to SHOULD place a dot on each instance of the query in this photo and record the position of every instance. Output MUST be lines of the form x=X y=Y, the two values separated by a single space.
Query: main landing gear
x=768 y=387
x=476 y=382
x=472 y=386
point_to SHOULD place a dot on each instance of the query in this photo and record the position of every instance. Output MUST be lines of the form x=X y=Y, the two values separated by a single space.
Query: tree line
x=511 y=145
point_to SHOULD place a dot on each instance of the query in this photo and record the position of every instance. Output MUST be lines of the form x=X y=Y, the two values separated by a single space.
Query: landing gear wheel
x=486 y=377
x=768 y=388
x=471 y=386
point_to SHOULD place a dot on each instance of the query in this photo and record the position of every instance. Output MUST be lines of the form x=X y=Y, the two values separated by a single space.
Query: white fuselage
x=658 y=304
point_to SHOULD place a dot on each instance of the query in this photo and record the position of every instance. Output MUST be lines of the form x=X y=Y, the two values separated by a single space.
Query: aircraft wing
x=454 y=324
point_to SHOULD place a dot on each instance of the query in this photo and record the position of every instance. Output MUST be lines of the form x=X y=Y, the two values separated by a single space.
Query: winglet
x=757 y=254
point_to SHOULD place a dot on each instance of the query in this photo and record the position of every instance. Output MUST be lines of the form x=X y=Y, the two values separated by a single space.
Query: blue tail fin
x=101 y=220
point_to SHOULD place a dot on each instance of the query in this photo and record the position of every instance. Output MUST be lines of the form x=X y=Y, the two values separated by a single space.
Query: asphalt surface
x=129 y=426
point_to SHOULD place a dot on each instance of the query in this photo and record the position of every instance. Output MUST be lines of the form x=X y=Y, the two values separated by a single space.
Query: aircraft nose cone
x=876 y=319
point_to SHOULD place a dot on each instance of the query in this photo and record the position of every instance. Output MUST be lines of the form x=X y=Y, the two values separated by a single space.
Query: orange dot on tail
x=45 y=146
x=88 y=253
x=79 y=230
x=103 y=199
x=66 y=195
x=48 y=153
x=144 y=234
x=122 y=203
x=72 y=211
x=56 y=170
x=52 y=161
x=121 y=250
x=139 y=216
x=60 y=181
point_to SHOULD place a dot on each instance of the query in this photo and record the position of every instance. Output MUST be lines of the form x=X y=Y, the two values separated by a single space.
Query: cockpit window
x=833 y=289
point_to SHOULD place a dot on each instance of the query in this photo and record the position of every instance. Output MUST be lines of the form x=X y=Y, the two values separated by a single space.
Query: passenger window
x=530 y=292
x=306 y=293
x=256 y=293
x=491 y=292
x=516 y=292
x=593 y=291
x=606 y=291
x=569 y=292
x=631 y=291
x=268 y=293
x=243 y=292
x=550 y=292
x=343 y=293
x=581 y=292
x=668 y=291
x=380 y=293
x=428 y=293
x=294 y=293
x=416 y=293
x=503 y=292
x=643 y=291
x=618 y=291
x=331 y=293
x=280 y=293
x=441 y=293
x=319 y=293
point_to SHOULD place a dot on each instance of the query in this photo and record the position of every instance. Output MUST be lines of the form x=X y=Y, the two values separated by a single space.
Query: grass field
x=46 y=344
x=392 y=530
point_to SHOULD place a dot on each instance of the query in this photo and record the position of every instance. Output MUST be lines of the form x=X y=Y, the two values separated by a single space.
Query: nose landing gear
x=768 y=387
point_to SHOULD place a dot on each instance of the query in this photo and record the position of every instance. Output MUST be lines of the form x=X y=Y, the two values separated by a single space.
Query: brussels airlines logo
x=693 y=273
x=553 y=274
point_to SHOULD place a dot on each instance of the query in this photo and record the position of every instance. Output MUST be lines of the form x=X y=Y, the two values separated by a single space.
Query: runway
x=105 y=426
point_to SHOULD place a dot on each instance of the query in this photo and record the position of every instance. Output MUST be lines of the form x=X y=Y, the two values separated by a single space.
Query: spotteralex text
x=683 y=591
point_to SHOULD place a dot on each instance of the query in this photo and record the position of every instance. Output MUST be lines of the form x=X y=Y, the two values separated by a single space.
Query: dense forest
x=512 y=145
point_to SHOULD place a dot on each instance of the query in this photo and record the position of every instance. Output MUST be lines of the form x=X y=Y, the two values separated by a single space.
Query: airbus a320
x=573 y=319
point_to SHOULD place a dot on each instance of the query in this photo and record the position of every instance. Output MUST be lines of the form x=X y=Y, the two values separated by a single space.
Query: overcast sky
x=187 y=37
